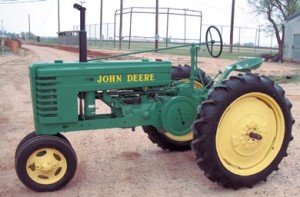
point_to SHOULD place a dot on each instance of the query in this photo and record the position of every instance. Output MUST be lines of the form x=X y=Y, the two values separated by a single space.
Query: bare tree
x=276 y=12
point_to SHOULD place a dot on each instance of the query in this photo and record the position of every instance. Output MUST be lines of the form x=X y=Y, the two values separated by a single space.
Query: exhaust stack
x=82 y=34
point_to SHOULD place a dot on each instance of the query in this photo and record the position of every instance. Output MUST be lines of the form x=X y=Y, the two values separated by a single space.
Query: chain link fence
x=246 y=41
x=93 y=35
x=176 y=26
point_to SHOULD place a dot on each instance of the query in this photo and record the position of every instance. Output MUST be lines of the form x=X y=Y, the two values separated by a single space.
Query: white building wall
x=292 y=27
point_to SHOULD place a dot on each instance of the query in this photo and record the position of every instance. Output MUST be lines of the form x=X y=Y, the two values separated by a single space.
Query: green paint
x=139 y=92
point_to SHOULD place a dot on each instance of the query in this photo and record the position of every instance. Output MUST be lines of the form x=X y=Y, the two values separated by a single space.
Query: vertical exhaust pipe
x=82 y=34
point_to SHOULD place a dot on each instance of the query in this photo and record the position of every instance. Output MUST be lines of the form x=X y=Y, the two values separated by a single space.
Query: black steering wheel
x=214 y=46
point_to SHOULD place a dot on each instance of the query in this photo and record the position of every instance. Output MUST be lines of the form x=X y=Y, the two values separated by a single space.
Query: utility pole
x=2 y=34
x=58 y=17
x=232 y=25
x=101 y=18
x=121 y=24
x=29 y=26
x=156 y=25
x=185 y=26
x=2 y=28
x=259 y=30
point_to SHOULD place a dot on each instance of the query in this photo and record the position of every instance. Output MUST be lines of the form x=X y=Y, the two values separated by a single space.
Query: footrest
x=248 y=64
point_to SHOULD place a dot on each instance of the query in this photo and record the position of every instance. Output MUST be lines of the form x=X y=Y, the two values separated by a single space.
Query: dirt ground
x=118 y=162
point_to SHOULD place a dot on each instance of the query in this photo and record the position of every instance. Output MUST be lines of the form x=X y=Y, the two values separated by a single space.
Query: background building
x=292 y=38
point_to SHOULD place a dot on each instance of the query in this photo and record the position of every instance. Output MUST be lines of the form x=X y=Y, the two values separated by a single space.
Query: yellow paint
x=109 y=79
x=140 y=77
x=129 y=78
x=257 y=113
x=46 y=166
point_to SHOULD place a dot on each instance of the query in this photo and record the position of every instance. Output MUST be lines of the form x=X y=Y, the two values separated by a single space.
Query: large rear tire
x=242 y=131
x=166 y=140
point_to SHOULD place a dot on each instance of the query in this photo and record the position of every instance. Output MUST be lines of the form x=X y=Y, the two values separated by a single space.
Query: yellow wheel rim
x=188 y=136
x=250 y=134
x=46 y=166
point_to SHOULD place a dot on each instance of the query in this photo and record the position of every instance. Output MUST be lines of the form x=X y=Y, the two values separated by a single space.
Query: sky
x=14 y=17
x=44 y=14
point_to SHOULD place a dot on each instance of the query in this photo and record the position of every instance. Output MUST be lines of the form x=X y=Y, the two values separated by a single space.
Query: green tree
x=276 y=12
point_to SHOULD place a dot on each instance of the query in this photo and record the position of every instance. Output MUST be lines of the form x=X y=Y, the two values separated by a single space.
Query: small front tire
x=33 y=135
x=45 y=163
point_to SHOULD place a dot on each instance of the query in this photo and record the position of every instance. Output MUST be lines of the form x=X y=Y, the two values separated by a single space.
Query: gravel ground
x=118 y=162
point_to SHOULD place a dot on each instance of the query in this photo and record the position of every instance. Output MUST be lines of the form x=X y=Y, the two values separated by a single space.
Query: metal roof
x=293 y=17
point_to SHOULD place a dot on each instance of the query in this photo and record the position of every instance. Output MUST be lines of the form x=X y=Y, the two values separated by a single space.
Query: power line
x=19 y=1
x=214 y=7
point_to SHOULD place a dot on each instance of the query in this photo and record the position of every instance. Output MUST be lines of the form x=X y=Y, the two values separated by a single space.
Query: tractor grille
x=46 y=93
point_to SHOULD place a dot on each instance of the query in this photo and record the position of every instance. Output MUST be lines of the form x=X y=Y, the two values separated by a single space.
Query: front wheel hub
x=46 y=166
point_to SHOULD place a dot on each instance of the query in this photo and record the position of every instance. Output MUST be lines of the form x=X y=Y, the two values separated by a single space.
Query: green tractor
x=239 y=127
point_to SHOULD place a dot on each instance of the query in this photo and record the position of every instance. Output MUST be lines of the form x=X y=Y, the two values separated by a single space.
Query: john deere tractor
x=239 y=127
